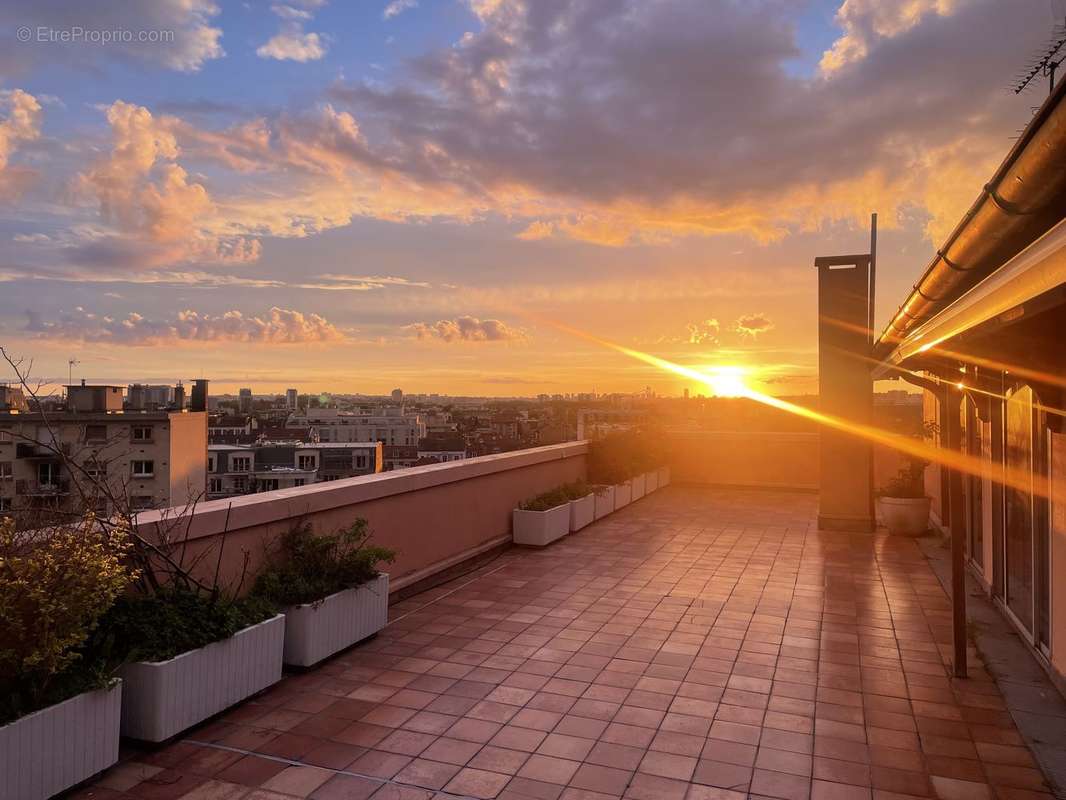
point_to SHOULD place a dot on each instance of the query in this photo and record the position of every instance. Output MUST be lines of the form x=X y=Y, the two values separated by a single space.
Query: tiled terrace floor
x=697 y=645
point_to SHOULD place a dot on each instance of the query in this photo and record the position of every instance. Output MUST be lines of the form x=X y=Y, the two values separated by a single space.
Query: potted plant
x=582 y=505
x=543 y=519
x=187 y=655
x=902 y=503
x=54 y=586
x=604 y=503
x=639 y=486
x=329 y=589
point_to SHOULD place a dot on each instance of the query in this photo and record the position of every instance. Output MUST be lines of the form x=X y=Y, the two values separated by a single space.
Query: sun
x=727 y=381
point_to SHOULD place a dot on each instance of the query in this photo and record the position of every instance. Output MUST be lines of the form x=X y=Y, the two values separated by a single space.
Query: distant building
x=268 y=466
x=245 y=401
x=12 y=399
x=390 y=426
x=442 y=450
x=153 y=458
x=399 y=456
x=292 y=398
x=397 y=395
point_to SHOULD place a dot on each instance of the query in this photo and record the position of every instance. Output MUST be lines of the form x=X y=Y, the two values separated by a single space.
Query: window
x=299 y=482
x=95 y=469
x=214 y=486
x=360 y=462
x=329 y=477
x=142 y=501
x=241 y=464
x=306 y=462
x=142 y=469
x=268 y=484
x=96 y=433
x=5 y=470
x=48 y=473
x=240 y=484
x=5 y=503
x=141 y=433
x=5 y=436
x=210 y=463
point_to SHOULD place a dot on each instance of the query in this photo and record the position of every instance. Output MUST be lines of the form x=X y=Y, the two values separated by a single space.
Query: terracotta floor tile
x=548 y=769
x=722 y=775
x=668 y=765
x=251 y=771
x=379 y=764
x=451 y=751
x=477 y=783
x=604 y=780
x=298 y=781
x=346 y=787
x=427 y=774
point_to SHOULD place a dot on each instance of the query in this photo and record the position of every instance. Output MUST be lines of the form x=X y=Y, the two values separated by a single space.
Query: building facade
x=268 y=466
x=148 y=459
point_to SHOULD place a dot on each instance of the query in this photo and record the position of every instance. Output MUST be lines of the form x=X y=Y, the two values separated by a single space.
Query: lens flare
x=727 y=381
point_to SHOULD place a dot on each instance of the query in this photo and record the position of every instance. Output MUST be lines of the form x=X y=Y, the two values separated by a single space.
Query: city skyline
x=361 y=196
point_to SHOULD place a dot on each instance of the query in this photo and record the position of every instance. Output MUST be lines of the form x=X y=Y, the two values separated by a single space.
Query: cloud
x=397 y=7
x=293 y=45
x=865 y=21
x=466 y=329
x=20 y=123
x=177 y=34
x=622 y=121
x=278 y=326
x=292 y=42
x=705 y=332
x=753 y=324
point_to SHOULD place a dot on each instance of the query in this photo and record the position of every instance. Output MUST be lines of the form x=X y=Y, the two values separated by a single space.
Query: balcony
x=703 y=642
x=30 y=488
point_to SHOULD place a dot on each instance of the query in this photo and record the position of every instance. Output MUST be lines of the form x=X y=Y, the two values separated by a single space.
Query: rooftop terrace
x=702 y=644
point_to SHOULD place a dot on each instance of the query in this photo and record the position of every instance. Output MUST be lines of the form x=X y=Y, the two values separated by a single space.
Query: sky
x=357 y=196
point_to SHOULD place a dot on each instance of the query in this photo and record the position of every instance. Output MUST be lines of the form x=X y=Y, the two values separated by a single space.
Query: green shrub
x=909 y=482
x=307 y=568
x=556 y=497
x=161 y=626
x=620 y=456
x=54 y=587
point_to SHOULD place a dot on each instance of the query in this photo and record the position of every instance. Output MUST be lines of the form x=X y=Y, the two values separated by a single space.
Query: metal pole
x=873 y=272
x=957 y=526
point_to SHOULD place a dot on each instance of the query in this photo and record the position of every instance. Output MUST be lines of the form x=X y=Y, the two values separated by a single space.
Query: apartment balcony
x=702 y=642
x=30 y=488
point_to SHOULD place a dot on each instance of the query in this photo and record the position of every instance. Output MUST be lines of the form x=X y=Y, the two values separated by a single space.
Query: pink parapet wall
x=432 y=516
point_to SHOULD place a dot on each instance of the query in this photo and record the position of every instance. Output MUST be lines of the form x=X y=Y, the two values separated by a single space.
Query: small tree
x=54 y=586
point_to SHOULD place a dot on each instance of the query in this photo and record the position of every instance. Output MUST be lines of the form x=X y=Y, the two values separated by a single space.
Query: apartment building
x=442 y=450
x=234 y=469
x=49 y=462
x=390 y=426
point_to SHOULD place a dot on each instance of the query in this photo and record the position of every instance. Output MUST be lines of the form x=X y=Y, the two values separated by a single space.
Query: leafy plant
x=307 y=568
x=556 y=497
x=163 y=625
x=619 y=456
x=54 y=586
x=909 y=482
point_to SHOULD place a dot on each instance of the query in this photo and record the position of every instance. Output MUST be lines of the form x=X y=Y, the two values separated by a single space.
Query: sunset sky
x=359 y=195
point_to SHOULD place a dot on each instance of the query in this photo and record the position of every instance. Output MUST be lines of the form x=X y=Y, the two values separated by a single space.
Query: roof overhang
x=1003 y=296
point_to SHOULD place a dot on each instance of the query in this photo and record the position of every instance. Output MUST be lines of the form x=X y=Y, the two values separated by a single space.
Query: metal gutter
x=1039 y=268
x=1025 y=198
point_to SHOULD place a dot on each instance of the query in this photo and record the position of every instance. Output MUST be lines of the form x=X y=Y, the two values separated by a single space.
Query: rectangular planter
x=604 y=501
x=539 y=528
x=162 y=698
x=651 y=481
x=57 y=747
x=314 y=631
x=582 y=512
x=623 y=494
x=638 y=486
x=664 y=476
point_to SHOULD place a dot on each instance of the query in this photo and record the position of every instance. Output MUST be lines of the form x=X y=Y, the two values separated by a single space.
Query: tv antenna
x=71 y=363
x=1044 y=61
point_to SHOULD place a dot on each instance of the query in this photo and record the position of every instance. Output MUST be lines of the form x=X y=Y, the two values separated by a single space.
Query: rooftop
x=703 y=643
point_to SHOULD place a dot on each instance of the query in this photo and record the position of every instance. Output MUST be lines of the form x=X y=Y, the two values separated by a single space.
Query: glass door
x=1018 y=506
x=973 y=486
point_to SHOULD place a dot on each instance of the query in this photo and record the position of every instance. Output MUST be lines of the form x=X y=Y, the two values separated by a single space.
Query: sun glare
x=727 y=381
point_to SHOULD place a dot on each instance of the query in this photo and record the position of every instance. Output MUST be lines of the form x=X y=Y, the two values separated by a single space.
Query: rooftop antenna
x=1044 y=61
x=71 y=363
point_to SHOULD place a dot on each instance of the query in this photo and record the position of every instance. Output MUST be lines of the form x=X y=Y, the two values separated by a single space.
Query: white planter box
x=651 y=481
x=604 y=501
x=623 y=495
x=638 y=486
x=163 y=698
x=664 y=476
x=582 y=512
x=539 y=528
x=57 y=747
x=314 y=631
x=904 y=516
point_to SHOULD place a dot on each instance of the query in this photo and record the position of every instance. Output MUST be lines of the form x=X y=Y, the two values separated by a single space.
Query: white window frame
x=149 y=438
x=149 y=474
x=7 y=470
